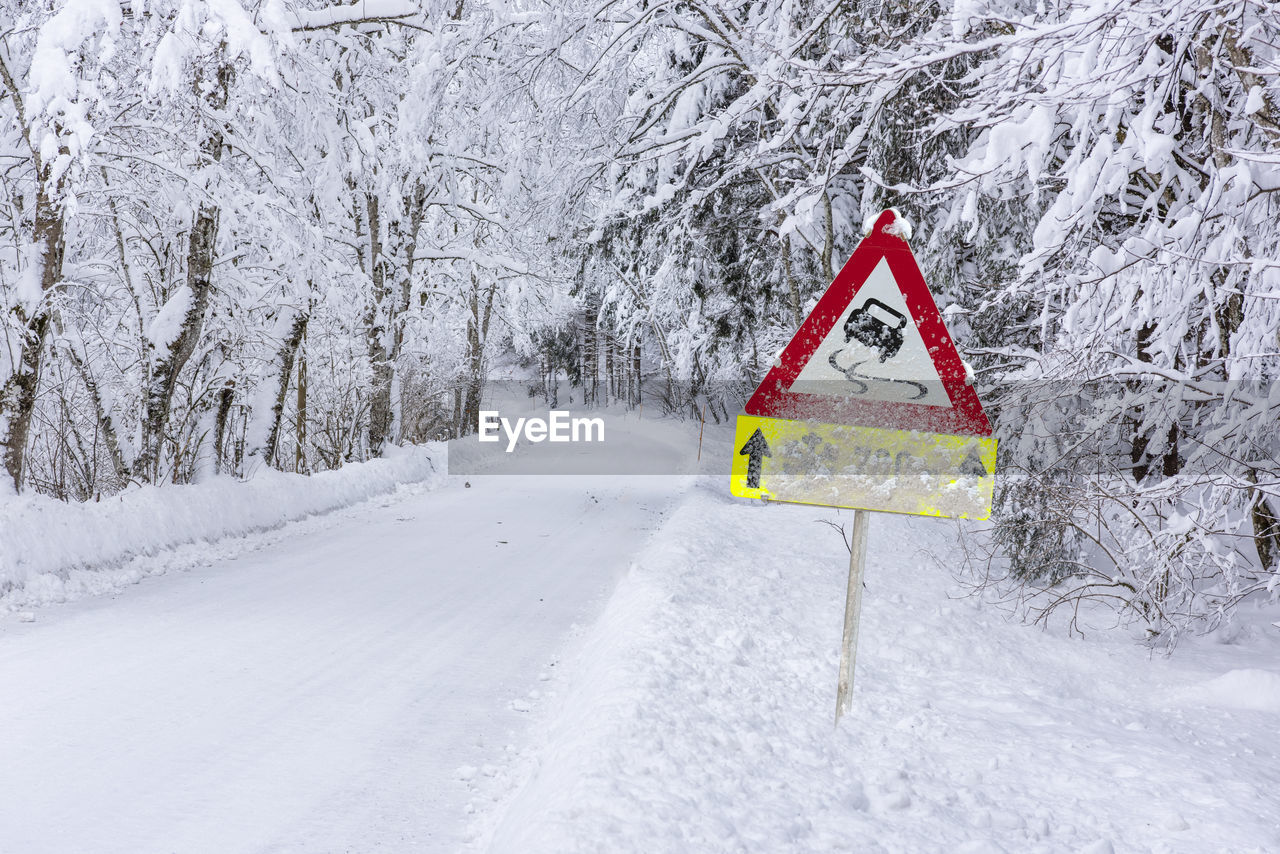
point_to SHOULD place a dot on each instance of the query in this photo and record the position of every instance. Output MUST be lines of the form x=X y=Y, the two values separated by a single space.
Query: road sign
x=869 y=406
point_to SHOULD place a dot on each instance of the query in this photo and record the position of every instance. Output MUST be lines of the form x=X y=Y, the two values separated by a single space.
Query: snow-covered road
x=316 y=695
x=389 y=678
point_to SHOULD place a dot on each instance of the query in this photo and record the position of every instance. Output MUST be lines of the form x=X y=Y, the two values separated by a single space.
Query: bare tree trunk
x=106 y=425
x=1170 y=463
x=636 y=376
x=793 y=293
x=200 y=257
x=165 y=371
x=828 y=240
x=288 y=350
x=416 y=205
x=126 y=270
x=300 y=449
x=590 y=357
x=610 y=387
x=225 y=397
x=375 y=330
x=237 y=464
x=18 y=397
x=18 y=394
x=477 y=333
x=1266 y=526
x=1267 y=115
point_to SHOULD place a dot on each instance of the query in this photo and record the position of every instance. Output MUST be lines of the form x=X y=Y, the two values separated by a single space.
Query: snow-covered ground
x=607 y=664
x=322 y=693
x=53 y=551
x=696 y=716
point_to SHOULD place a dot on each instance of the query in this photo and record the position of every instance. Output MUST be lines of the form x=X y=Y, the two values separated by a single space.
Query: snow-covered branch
x=356 y=14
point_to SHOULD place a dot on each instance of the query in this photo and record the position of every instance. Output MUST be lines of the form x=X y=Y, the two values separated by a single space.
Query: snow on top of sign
x=900 y=227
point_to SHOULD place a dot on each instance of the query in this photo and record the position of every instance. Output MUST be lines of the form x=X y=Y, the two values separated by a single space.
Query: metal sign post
x=852 y=611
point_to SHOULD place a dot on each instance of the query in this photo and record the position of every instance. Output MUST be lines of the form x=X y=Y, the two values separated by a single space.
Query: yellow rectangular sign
x=869 y=468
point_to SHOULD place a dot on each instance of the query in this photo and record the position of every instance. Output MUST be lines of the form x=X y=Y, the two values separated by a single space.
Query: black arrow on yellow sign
x=756 y=449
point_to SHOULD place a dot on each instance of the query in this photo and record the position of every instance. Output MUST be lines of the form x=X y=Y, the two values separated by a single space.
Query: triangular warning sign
x=874 y=351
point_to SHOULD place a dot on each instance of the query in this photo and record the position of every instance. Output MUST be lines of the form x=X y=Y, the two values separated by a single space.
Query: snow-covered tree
x=292 y=232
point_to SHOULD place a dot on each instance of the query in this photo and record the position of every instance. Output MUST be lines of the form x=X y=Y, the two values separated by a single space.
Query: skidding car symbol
x=874 y=332
x=883 y=336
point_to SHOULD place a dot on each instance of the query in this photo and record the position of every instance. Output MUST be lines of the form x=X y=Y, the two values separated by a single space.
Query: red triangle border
x=964 y=417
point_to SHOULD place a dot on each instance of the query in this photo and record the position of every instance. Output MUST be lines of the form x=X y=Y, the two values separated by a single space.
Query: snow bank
x=697 y=714
x=48 y=546
x=1245 y=688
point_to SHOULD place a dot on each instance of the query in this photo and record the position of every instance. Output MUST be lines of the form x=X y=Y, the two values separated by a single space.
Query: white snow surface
x=52 y=551
x=699 y=713
x=328 y=691
x=586 y=664
x=167 y=324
